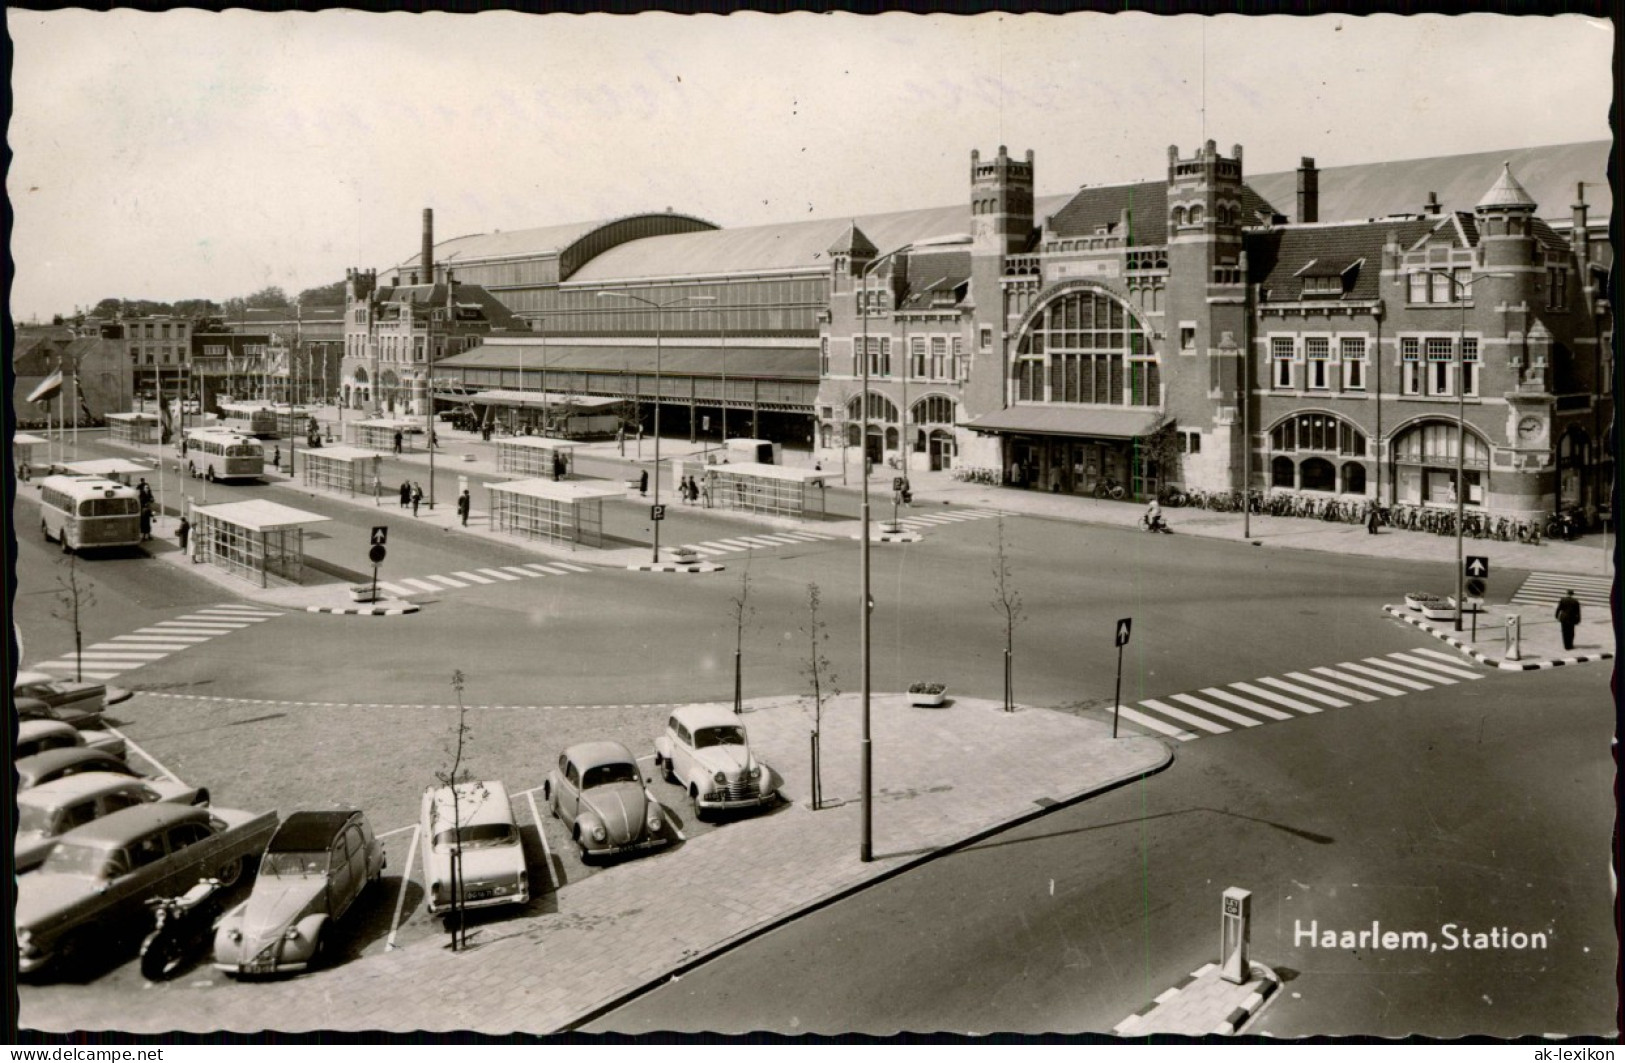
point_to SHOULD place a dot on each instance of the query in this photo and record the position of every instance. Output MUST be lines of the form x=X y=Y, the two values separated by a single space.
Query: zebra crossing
x=1219 y=710
x=735 y=544
x=917 y=521
x=125 y=653
x=1545 y=588
x=402 y=588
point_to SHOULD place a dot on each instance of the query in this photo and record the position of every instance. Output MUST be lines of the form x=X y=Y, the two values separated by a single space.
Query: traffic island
x=1204 y=1003
x=886 y=532
x=1538 y=644
x=677 y=566
x=380 y=607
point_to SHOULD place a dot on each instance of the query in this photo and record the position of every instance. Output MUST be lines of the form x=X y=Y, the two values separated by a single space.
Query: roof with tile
x=1279 y=260
x=1142 y=207
x=933 y=279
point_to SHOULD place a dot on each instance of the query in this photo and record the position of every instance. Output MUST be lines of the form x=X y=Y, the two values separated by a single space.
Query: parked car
x=88 y=698
x=54 y=764
x=598 y=792
x=46 y=812
x=480 y=823
x=705 y=751
x=35 y=709
x=314 y=868
x=37 y=736
x=96 y=882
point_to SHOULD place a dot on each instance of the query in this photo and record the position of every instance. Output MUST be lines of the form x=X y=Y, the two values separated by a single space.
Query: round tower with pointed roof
x=1505 y=218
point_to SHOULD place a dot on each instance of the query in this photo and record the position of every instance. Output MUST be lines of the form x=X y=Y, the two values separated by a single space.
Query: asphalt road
x=1486 y=807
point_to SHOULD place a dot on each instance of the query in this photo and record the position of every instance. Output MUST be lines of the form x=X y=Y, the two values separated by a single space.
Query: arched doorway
x=929 y=421
x=1573 y=455
x=1317 y=474
x=943 y=449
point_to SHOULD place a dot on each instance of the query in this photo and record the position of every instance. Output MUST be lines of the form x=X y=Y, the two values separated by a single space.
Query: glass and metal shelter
x=343 y=470
x=132 y=427
x=292 y=421
x=26 y=450
x=773 y=489
x=123 y=470
x=569 y=512
x=555 y=413
x=262 y=542
x=536 y=456
x=380 y=434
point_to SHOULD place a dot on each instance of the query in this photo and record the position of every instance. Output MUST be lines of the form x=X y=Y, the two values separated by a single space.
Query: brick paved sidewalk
x=941 y=776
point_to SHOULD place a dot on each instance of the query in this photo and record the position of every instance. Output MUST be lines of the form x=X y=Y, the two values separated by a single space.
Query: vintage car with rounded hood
x=95 y=884
x=705 y=751
x=314 y=868
x=597 y=791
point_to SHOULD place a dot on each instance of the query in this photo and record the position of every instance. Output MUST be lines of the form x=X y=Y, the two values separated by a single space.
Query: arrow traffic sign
x=1477 y=566
x=1123 y=627
x=380 y=534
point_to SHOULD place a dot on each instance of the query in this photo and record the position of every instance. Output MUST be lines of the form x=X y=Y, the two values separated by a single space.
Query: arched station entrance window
x=1424 y=465
x=928 y=425
x=1307 y=449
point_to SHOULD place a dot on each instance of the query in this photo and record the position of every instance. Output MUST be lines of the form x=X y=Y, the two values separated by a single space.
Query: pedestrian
x=183 y=532
x=276 y=457
x=1568 y=615
x=463 y=502
x=643 y=482
x=818 y=466
x=143 y=493
x=558 y=467
x=434 y=440
x=146 y=523
x=406 y=494
x=620 y=440
x=485 y=432
x=397 y=442
x=183 y=446
x=417 y=497
x=24 y=473
x=705 y=493
x=1371 y=520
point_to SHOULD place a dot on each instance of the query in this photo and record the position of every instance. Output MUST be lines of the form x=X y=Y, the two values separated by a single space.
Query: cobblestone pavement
x=941 y=776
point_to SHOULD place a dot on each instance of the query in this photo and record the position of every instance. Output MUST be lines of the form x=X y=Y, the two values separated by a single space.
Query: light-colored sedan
x=68 y=694
x=598 y=792
x=45 y=813
x=39 y=736
x=705 y=751
x=478 y=821
x=314 y=868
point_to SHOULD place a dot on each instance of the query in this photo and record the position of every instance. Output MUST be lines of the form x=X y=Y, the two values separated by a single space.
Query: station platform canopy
x=561 y=490
x=112 y=468
x=541 y=399
x=342 y=453
x=259 y=515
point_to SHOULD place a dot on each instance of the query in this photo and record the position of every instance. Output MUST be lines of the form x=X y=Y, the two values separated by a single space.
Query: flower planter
x=927 y=695
x=1438 y=610
x=1419 y=602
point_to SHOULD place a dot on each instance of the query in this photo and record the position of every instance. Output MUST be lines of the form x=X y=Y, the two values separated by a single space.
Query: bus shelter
x=379 y=434
x=26 y=451
x=569 y=512
x=293 y=421
x=345 y=470
x=123 y=470
x=257 y=540
x=132 y=427
x=759 y=488
x=537 y=456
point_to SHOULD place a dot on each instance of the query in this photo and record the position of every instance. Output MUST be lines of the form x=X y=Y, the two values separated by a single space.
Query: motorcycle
x=1155 y=525
x=182 y=925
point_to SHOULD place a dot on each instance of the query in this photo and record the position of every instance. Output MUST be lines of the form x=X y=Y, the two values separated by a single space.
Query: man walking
x=397 y=442
x=417 y=497
x=406 y=494
x=1568 y=616
x=183 y=531
x=643 y=482
x=462 y=507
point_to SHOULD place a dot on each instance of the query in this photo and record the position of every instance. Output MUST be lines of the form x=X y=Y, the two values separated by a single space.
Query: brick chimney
x=1432 y=205
x=427 y=261
x=1308 y=191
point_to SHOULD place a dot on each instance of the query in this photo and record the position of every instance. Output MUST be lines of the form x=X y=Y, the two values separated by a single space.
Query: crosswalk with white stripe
x=917 y=521
x=1545 y=588
x=1271 y=699
x=124 y=653
x=403 y=587
x=740 y=543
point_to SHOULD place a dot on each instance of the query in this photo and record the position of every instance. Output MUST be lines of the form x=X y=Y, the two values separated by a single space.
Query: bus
x=89 y=511
x=251 y=418
x=217 y=454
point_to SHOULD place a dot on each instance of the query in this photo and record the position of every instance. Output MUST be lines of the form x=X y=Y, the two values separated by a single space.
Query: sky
x=193 y=154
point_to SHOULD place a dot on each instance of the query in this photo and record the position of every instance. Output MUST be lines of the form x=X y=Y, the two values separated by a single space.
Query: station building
x=1179 y=332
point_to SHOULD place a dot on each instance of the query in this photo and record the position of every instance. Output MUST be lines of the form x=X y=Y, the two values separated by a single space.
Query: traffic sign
x=1475 y=588
x=380 y=534
x=657 y=512
x=897 y=484
x=1477 y=566
x=376 y=554
x=1123 y=627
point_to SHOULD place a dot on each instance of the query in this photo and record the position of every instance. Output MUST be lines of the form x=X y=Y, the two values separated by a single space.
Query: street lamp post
x=659 y=309
x=1460 y=288
x=866 y=606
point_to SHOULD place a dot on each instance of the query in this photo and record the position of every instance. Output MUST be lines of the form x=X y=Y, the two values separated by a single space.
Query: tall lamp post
x=1460 y=288
x=866 y=606
x=659 y=309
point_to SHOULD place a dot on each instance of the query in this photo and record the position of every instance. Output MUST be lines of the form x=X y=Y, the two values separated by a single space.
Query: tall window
x=956 y=358
x=1469 y=365
x=1318 y=350
x=1410 y=365
x=1353 y=352
x=1441 y=365
x=1091 y=350
x=823 y=356
x=1281 y=349
x=939 y=353
x=916 y=357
